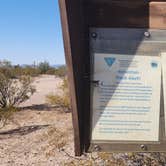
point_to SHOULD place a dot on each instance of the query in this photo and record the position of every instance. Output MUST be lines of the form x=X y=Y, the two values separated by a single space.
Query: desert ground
x=41 y=135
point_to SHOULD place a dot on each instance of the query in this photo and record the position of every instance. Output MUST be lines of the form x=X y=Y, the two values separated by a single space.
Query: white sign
x=126 y=103
x=163 y=57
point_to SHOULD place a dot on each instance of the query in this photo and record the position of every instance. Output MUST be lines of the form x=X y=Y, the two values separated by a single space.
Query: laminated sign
x=126 y=101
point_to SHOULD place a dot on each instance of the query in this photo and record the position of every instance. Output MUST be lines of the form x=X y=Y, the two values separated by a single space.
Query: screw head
x=97 y=148
x=144 y=147
x=94 y=35
x=147 y=34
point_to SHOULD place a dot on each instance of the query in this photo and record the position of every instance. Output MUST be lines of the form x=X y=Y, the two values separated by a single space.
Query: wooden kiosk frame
x=77 y=17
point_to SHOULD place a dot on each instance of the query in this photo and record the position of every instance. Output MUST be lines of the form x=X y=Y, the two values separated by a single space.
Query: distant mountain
x=54 y=66
x=58 y=65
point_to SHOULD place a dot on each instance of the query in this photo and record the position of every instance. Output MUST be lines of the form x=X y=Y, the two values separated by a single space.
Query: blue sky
x=30 y=31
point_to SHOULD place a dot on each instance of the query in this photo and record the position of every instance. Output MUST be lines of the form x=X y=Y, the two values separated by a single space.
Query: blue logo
x=154 y=64
x=110 y=61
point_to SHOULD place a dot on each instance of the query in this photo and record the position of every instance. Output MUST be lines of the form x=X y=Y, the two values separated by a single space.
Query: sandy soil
x=45 y=84
x=36 y=138
x=40 y=135
x=36 y=135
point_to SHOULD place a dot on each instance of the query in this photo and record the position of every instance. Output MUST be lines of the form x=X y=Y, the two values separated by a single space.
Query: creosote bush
x=61 y=71
x=12 y=93
x=60 y=100
x=6 y=114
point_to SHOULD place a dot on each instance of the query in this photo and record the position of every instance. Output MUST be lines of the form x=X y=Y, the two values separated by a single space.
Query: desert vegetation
x=15 y=71
x=60 y=100
x=41 y=134
x=12 y=91
x=16 y=86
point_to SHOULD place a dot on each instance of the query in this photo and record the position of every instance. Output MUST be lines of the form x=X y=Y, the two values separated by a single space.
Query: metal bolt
x=147 y=34
x=144 y=147
x=97 y=148
x=96 y=83
x=94 y=35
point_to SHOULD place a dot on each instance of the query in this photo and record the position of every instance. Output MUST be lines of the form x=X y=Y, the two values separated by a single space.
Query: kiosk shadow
x=23 y=130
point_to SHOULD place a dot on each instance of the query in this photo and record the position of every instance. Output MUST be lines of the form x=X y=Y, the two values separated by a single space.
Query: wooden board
x=157 y=15
x=142 y=14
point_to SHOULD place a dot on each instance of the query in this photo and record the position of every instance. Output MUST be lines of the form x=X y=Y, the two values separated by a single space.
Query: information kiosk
x=116 y=57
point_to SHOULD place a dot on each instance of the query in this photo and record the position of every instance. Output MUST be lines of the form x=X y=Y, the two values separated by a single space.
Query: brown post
x=73 y=26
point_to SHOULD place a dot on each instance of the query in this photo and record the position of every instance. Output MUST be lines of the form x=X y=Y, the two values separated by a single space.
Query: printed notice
x=126 y=102
x=163 y=57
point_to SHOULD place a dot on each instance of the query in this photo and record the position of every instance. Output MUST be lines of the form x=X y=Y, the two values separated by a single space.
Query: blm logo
x=154 y=64
x=110 y=61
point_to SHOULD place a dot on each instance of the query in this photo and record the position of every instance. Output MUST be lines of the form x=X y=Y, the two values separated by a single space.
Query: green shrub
x=61 y=71
x=51 y=71
x=5 y=114
x=44 y=67
x=12 y=93
x=5 y=63
x=60 y=100
x=30 y=71
x=15 y=71
x=8 y=72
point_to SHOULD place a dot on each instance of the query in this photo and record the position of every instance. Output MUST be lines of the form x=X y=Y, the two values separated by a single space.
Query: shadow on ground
x=45 y=107
x=38 y=107
x=23 y=130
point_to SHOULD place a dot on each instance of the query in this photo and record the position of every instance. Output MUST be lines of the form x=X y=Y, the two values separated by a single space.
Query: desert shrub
x=62 y=100
x=17 y=70
x=7 y=69
x=5 y=63
x=51 y=71
x=30 y=71
x=13 y=92
x=26 y=71
x=9 y=72
x=61 y=71
x=44 y=67
x=5 y=114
